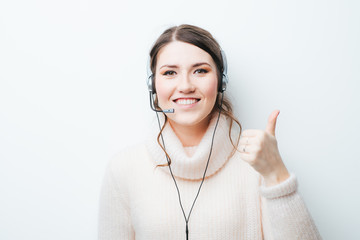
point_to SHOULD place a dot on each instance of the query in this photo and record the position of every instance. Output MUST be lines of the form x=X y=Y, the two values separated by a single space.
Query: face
x=186 y=80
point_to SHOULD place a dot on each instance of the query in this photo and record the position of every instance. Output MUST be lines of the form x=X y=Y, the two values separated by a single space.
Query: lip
x=186 y=106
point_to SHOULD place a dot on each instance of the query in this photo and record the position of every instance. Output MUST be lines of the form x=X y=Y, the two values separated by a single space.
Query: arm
x=114 y=217
x=284 y=213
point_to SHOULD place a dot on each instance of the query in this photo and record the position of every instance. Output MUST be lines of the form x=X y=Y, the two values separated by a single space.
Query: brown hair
x=204 y=40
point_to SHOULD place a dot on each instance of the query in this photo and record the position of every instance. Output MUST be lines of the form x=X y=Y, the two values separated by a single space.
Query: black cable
x=162 y=139
x=207 y=164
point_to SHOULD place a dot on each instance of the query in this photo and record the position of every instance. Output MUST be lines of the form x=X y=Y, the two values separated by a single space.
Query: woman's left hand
x=259 y=148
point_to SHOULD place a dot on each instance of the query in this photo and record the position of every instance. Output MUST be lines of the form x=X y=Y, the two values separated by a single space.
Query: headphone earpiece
x=225 y=78
x=150 y=78
x=224 y=81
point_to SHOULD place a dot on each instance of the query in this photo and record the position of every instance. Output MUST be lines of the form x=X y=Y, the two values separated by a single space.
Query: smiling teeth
x=186 y=101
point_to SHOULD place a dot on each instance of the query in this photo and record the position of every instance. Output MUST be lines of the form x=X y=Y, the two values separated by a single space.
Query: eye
x=201 y=70
x=169 y=73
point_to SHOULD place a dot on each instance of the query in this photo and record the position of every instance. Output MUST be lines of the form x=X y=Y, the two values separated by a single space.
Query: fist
x=259 y=148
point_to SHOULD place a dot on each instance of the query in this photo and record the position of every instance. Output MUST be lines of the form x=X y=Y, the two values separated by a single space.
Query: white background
x=73 y=93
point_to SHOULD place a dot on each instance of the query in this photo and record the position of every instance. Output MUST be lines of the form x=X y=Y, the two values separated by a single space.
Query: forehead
x=181 y=53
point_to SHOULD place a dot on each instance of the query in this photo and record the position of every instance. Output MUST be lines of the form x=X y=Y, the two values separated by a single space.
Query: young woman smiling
x=152 y=191
x=186 y=80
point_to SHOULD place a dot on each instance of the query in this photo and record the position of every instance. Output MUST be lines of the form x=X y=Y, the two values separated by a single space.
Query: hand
x=261 y=152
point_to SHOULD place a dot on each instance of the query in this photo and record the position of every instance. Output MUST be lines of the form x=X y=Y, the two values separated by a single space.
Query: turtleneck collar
x=192 y=168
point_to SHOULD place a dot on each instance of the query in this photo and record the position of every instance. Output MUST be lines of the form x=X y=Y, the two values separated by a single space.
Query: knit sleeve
x=284 y=213
x=114 y=217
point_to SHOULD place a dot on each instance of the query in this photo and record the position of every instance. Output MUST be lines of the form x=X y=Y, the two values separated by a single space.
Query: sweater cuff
x=282 y=189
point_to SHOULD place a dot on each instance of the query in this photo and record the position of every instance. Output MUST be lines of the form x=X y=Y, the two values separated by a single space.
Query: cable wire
x=202 y=181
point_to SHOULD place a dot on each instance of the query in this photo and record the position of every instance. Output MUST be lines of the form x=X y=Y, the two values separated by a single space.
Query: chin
x=187 y=121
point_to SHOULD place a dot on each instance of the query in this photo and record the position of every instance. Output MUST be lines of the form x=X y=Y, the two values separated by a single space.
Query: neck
x=190 y=135
x=192 y=167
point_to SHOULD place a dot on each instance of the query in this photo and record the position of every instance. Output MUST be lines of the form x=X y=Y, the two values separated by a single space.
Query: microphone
x=171 y=110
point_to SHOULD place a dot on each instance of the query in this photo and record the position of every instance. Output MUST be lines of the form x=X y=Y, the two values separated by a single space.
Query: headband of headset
x=224 y=80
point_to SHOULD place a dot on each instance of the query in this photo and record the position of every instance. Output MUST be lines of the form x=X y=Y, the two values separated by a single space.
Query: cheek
x=162 y=92
x=210 y=90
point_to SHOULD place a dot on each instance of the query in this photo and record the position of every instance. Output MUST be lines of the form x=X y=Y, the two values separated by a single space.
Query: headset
x=151 y=87
x=150 y=81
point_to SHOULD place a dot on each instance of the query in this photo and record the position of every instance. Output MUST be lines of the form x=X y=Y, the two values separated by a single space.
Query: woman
x=196 y=178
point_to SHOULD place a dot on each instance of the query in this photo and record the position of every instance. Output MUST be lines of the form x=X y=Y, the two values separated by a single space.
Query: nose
x=185 y=84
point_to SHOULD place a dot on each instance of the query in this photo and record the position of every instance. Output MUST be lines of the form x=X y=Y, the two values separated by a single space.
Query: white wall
x=72 y=94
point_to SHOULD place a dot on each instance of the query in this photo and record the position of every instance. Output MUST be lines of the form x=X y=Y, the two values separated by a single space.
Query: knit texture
x=139 y=200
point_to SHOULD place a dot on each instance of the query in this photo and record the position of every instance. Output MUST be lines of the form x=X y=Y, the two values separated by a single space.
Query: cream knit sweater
x=140 y=201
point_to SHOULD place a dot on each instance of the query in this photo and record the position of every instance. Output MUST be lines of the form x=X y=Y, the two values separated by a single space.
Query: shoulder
x=124 y=166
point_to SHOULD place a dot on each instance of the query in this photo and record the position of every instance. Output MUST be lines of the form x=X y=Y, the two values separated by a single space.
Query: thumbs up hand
x=259 y=148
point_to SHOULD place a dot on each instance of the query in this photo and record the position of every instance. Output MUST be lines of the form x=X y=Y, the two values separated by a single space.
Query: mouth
x=186 y=101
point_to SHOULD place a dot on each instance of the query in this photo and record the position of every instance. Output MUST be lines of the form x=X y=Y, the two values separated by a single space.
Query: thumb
x=270 y=127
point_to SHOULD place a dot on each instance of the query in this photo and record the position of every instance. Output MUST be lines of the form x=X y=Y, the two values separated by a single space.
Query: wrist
x=277 y=177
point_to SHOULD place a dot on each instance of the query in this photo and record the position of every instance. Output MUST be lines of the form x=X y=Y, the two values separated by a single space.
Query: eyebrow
x=194 y=65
